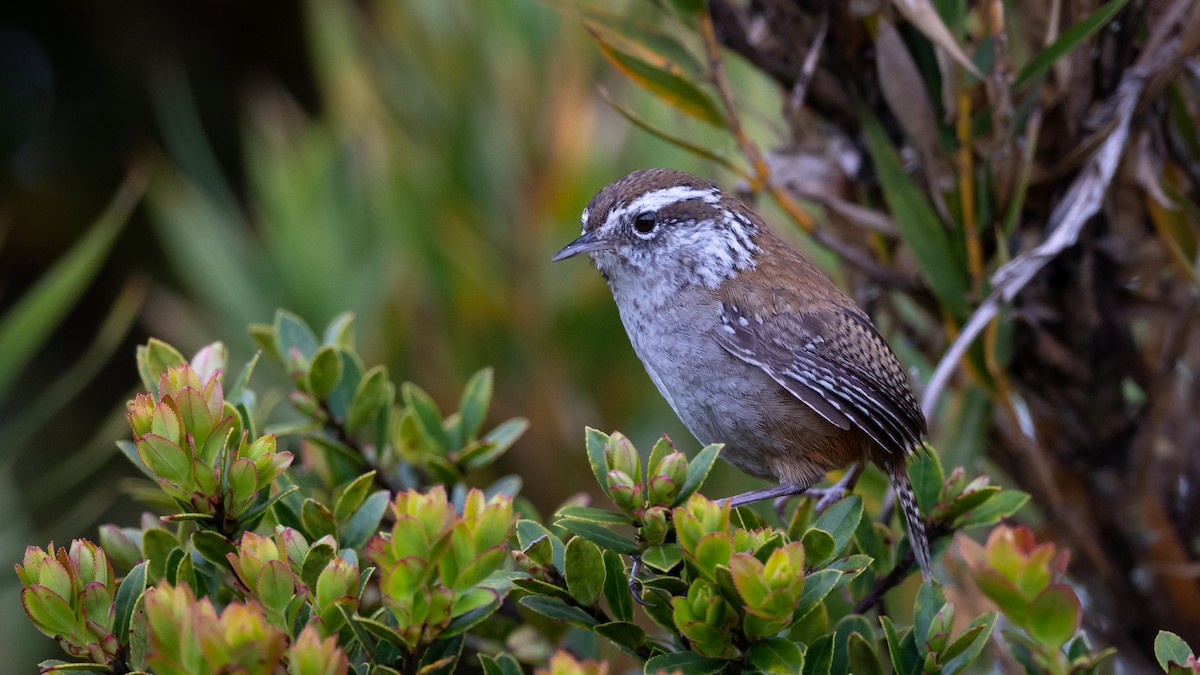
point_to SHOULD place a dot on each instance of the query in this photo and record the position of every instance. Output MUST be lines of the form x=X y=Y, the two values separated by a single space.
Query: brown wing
x=837 y=364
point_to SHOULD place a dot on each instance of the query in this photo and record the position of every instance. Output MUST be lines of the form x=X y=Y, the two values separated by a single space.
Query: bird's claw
x=635 y=583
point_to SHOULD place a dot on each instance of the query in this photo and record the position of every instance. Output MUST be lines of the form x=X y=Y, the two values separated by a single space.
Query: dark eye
x=645 y=222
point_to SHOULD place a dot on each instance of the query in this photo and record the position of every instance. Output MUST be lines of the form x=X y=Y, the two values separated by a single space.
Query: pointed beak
x=586 y=243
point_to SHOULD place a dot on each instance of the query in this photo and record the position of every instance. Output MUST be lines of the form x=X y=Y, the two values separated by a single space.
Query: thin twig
x=809 y=67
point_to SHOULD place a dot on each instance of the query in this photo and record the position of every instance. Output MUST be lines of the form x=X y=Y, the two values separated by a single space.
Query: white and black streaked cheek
x=712 y=251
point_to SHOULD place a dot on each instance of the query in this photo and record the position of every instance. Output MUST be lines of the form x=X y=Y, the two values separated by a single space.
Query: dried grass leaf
x=924 y=16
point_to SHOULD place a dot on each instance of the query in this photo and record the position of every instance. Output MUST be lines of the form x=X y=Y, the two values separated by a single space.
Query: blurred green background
x=182 y=169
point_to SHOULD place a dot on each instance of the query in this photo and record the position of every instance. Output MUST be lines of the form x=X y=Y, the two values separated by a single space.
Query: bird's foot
x=636 y=586
x=827 y=497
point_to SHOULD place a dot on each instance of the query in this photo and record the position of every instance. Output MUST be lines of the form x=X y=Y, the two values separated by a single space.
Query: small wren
x=750 y=344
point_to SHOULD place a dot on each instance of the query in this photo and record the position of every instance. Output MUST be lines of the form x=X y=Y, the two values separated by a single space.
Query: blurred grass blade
x=653 y=46
x=29 y=323
x=68 y=385
x=918 y=224
x=185 y=139
x=1069 y=40
x=696 y=149
x=668 y=86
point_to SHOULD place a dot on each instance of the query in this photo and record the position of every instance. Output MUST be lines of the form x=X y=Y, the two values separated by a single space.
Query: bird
x=750 y=343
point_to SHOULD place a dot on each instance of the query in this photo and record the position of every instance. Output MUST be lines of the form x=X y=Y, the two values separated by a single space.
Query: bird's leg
x=830 y=495
x=773 y=492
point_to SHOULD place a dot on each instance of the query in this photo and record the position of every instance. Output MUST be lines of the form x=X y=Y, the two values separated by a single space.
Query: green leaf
x=324 y=372
x=1067 y=41
x=250 y=517
x=903 y=652
x=529 y=531
x=352 y=496
x=596 y=441
x=155 y=359
x=816 y=586
x=1170 y=649
x=49 y=612
x=847 y=628
x=315 y=561
x=317 y=518
x=818 y=660
x=441 y=657
x=263 y=337
x=474 y=616
x=671 y=88
x=920 y=229
x=840 y=521
x=662 y=448
x=212 y=546
x=340 y=331
x=663 y=558
x=53 y=666
x=558 y=610
x=539 y=587
x=501 y=664
x=1002 y=505
x=600 y=535
x=861 y=656
x=494 y=444
x=616 y=587
x=364 y=524
x=157 y=545
x=697 y=471
x=776 y=656
x=476 y=398
x=593 y=515
x=360 y=633
x=429 y=418
x=928 y=479
x=689 y=663
x=818 y=546
x=276 y=586
x=969 y=501
x=373 y=392
x=1054 y=616
x=623 y=633
x=929 y=601
x=377 y=628
x=291 y=332
x=132 y=587
x=584 y=571
x=967 y=646
x=27 y=324
x=342 y=393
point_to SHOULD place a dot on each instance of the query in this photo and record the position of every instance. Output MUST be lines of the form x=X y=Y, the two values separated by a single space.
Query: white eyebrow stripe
x=657 y=199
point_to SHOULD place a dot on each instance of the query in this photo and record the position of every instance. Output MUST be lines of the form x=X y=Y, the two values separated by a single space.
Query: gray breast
x=710 y=390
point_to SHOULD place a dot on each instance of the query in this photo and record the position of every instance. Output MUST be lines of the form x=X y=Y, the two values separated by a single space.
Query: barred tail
x=912 y=515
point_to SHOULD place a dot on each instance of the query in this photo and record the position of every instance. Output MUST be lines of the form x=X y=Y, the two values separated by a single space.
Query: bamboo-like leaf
x=655 y=47
x=1069 y=40
x=673 y=89
x=919 y=226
